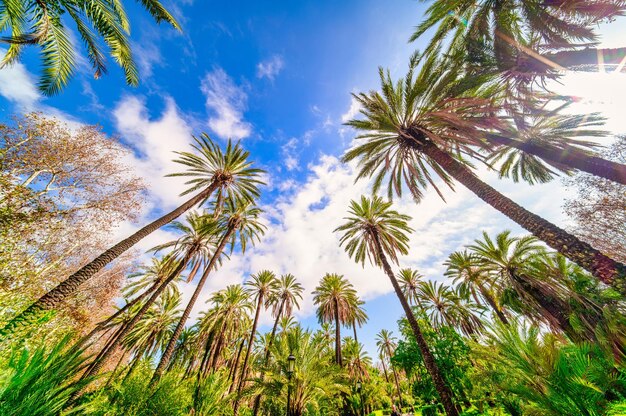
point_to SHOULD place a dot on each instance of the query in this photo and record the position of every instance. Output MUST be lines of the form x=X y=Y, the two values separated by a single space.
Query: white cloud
x=270 y=68
x=290 y=157
x=155 y=141
x=18 y=86
x=354 y=109
x=227 y=102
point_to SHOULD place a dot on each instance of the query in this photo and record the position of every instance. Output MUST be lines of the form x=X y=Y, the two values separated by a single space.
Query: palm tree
x=466 y=271
x=335 y=299
x=375 y=231
x=261 y=287
x=240 y=223
x=386 y=344
x=428 y=123
x=228 y=173
x=41 y=23
x=443 y=306
x=542 y=299
x=410 y=282
x=506 y=26
x=358 y=316
x=285 y=298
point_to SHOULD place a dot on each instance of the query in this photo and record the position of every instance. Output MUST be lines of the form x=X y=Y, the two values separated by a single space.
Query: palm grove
x=521 y=324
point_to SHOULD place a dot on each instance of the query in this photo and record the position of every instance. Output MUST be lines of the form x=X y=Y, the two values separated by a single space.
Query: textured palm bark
x=445 y=394
x=167 y=353
x=338 y=359
x=70 y=285
x=604 y=268
x=568 y=156
x=385 y=370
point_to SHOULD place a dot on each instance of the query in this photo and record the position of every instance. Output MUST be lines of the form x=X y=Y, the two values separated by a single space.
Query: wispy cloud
x=227 y=103
x=270 y=68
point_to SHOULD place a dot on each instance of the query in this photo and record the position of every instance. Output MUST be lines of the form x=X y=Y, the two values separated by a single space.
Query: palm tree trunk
x=167 y=353
x=569 y=156
x=607 y=270
x=491 y=301
x=338 y=359
x=354 y=329
x=244 y=365
x=257 y=399
x=235 y=366
x=445 y=394
x=70 y=285
x=589 y=59
x=382 y=360
x=395 y=376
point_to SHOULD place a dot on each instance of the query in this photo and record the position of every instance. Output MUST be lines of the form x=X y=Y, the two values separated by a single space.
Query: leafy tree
x=43 y=24
x=450 y=352
x=387 y=344
x=598 y=207
x=426 y=122
x=228 y=174
x=375 y=231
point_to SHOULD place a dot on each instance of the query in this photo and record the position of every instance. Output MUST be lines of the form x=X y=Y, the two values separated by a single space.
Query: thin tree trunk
x=395 y=376
x=63 y=290
x=493 y=305
x=569 y=156
x=233 y=373
x=382 y=360
x=354 y=329
x=445 y=394
x=244 y=366
x=257 y=399
x=607 y=270
x=167 y=353
x=337 y=336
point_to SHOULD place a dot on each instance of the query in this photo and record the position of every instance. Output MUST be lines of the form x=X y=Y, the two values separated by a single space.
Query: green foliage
x=548 y=376
x=451 y=356
x=40 y=382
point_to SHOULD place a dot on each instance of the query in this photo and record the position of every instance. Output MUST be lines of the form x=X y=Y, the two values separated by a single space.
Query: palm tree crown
x=42 y=23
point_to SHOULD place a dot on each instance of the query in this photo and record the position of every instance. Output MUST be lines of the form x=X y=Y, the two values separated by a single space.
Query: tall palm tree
x=211 y=170
x=426 y=123
x=358 y=316
x=239 y=224
x=356 y=360
x=261 y=287
x=507 y=258
x=285 y=299
x=335 y=299
x=42 y=23
x=386 y=344
x=466 y=271
x=375 y=231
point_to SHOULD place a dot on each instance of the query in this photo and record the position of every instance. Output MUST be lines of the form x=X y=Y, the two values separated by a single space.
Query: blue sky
x=278 y=75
